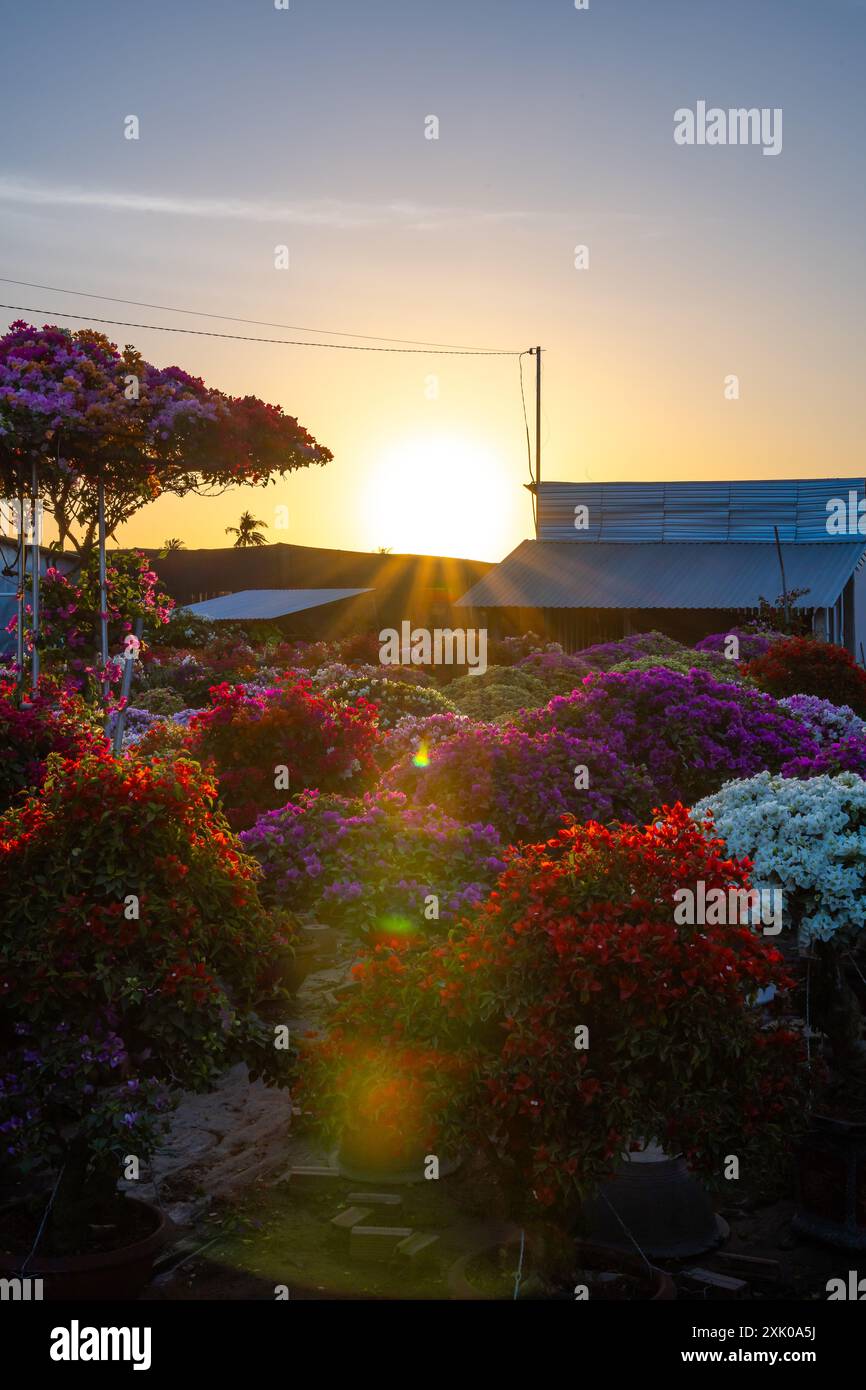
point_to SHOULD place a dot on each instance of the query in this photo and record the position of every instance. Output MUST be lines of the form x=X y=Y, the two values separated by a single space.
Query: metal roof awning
x=560 y=574
x=742 y=511
x=249 y=604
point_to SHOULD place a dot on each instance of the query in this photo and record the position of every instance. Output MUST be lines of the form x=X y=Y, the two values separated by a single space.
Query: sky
x=307 y=128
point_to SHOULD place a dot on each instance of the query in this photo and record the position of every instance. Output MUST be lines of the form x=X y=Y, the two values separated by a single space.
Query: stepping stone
x=418 y=1247
x=376 y=1243
x=313 y=1179
x=379 y=1199
x=345 y=1220
x=719 y=1284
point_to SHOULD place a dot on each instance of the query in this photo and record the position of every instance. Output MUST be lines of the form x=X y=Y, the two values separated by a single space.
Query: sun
x=439 y=495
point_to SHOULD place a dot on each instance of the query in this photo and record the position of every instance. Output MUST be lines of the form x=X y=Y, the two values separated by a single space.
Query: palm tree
x=173 y=544
x=246 y=531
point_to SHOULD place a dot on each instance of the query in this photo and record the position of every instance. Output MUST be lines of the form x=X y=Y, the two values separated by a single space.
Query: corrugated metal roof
x=267 y=603
x=559 y=574
x=745 y=510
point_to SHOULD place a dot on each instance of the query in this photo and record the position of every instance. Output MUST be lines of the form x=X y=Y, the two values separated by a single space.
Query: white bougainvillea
x=806 y=837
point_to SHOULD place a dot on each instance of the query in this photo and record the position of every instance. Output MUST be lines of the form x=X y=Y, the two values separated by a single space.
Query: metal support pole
x=128 y=664
x=103 y=596
x=22 y=583
x=784 y=581
x=35 y=576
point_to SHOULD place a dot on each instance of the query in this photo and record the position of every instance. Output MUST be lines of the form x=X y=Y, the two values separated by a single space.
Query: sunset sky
x=306 y=127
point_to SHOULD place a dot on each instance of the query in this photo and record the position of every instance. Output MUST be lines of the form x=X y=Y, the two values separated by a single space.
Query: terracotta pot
x=108 y=1276
x=588 y=1255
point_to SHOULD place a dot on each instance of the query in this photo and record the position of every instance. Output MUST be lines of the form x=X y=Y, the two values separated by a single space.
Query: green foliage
x=499 y=692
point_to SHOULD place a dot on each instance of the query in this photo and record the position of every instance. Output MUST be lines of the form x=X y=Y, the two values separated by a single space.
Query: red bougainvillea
x=580 y=933
x=52 y=721
x=265 y=748
x=138 y=961
x=806 y=666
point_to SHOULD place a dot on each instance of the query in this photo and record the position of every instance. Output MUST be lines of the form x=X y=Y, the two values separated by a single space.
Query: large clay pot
x=111 y=1275
x=362 y=1157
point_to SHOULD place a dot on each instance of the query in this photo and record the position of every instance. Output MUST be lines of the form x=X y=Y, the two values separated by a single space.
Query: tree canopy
x=83 y=409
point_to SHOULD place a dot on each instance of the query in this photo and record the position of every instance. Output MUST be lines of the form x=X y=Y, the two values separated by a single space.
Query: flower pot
x=588 y=1256
x=110 y=1275
x=832 y=1183
x=362 y=1157
x=663 y=1208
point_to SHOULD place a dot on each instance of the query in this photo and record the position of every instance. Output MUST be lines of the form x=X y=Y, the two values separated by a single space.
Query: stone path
x=222 y=1141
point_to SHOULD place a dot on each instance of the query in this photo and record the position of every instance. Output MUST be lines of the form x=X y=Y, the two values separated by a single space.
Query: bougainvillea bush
x=687 y=731
x=136 y=723
x=558 y=672
x=603 y=655
x=522 y=783
x=69 y=616
x=65 y=401
x=52 y=721
x=500 y=691
x=393 y=699
x=138 y=961
x=247 y=740
x=580 y=933
x=807 y=838
x=750 y=644
x=413 y=737
x=826 y=722
x=845 y=755
x=807 y=666
x=685 y=661
x=161 y=700
x=370 y=864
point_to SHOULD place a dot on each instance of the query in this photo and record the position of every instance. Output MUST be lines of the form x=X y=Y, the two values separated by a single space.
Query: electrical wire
x=232 y=318
x=275 y=342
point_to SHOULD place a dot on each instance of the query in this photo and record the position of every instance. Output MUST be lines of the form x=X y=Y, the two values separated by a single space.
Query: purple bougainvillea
x=371 y=863
x=688 y=732
x=524 y=783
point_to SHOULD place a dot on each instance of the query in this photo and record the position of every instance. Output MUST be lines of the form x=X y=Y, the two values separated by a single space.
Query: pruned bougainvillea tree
x=83 y=409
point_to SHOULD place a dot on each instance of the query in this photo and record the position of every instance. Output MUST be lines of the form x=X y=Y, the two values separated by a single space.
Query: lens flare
x=422 y=757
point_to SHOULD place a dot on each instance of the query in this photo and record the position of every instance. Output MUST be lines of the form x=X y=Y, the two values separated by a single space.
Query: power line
x=230 y=318
x=276 y=342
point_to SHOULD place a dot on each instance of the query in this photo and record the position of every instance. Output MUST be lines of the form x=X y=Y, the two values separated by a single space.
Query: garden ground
x=245 y=1229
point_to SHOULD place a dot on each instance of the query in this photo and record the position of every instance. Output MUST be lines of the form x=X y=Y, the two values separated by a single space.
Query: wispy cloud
x=338 y=213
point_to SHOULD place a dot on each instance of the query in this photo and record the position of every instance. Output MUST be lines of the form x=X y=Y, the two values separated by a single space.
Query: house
x=685 y=558
x=322 y=593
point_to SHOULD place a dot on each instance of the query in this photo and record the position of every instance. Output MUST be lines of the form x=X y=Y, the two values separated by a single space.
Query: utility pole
x=537 y=432
x=537 y=416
